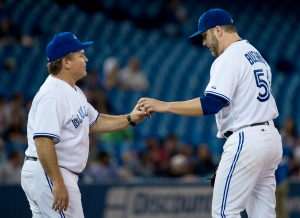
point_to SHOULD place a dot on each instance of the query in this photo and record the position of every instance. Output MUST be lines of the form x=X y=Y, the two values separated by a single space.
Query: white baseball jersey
x=242 y=77
x=62 y=113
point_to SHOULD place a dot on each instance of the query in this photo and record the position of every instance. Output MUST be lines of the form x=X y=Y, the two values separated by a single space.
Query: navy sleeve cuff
x=212 y=104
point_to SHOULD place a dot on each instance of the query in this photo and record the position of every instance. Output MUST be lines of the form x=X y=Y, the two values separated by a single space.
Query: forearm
x=109 y=123
x=186 y=108
x=47 y=156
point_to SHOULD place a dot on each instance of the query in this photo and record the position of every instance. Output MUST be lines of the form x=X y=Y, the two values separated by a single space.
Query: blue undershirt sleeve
x=212 y=104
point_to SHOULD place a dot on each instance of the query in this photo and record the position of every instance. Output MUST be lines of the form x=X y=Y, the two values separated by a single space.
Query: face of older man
x=78 y=64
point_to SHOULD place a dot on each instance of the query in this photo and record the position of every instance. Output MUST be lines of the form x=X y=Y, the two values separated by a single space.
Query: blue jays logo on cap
x=212 y=18
x=63 y=44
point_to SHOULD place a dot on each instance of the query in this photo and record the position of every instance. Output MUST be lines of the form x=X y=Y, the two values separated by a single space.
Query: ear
x=66 y=63
x=218 y=31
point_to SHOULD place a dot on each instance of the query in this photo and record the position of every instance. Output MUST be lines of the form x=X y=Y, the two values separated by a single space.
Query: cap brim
x=196 y=35
x=86 y=44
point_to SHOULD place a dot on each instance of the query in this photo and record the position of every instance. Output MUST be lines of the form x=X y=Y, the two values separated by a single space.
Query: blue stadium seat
x=176 y=69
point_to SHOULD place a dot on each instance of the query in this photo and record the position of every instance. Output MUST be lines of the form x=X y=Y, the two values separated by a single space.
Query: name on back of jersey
x=254 y=57
x=82 y=113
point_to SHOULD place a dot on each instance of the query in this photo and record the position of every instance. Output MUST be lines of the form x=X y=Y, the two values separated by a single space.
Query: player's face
x=211 y=42
x=78 y=64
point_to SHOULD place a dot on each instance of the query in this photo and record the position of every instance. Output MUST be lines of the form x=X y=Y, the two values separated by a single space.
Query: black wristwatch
x=130 y=121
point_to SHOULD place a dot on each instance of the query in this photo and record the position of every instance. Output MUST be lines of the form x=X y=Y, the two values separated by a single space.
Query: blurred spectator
x=10 y=64
x=159 y=157
x=295 y=162
x=188 y=151
x=10 y=34
x=282 y=187
x=93 y=148
x=118 y=142
x=289 y=132
x=3 y=116
x=131 y=77
x=2 y=152
x=204 y=166
x=10 y=172
x=173 y=17
x=91 y=87
x=171 y=145
x=180 y=167
x=110 y=71
x=142 y=166
x=28 y=106
x=15 y=134
x=16 y=106
x=103 y=170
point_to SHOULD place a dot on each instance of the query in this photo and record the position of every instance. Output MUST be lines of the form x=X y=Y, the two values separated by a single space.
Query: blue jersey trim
x=47 y=135
x=227 y=184
x=92 y=124
x=218 y=94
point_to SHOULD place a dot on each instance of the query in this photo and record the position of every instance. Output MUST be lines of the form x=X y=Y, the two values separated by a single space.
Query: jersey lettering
x=261 y=83
x=82 y=113
x=254 y=57
x=76 y=122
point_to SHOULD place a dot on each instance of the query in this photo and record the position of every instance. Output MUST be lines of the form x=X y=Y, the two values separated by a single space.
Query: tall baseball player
x=59 y=123
x=239 y=94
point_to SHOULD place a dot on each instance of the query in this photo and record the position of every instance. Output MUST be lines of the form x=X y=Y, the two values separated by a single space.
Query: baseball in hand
x=143 y=109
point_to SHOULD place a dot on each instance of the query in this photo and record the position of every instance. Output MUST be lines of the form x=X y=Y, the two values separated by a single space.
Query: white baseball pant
x=246 y=173
x=38 y=189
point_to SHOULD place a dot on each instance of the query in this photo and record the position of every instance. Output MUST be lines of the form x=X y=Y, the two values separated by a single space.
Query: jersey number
x=262 y=83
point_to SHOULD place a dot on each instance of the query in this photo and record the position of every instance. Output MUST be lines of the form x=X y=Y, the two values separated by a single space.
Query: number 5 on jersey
x=262 y=83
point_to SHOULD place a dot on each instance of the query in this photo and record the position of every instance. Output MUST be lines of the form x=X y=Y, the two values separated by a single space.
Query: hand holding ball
x=142 y=108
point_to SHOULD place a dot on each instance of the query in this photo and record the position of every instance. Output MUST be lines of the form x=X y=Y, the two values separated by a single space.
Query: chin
x=82 y=75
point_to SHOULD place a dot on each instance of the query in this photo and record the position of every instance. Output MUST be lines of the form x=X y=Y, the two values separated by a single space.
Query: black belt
x=35 y=159
x=229 y=133
x=30 y=158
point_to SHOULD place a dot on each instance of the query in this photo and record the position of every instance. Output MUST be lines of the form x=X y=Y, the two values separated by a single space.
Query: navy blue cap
x=63 y=44
x=212 y=18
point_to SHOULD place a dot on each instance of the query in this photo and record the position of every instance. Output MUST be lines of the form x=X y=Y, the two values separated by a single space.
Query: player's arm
x=209 y=104
x=110 y=123
x=47 y=156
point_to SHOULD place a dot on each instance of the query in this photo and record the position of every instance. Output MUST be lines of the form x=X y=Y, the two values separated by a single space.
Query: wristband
x=130 y=121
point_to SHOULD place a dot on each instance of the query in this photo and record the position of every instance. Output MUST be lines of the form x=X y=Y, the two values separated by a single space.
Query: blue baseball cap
x=63 y=44
x=212 y=18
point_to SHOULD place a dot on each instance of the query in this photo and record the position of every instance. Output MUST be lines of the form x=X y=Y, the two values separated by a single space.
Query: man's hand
x=151 y=105
x=61 y=197
x=138 y=114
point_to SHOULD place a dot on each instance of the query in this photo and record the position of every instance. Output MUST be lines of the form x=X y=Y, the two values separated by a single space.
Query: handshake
x=145 y=108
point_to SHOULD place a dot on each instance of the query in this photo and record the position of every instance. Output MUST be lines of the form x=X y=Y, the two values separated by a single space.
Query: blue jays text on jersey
x=82 y=113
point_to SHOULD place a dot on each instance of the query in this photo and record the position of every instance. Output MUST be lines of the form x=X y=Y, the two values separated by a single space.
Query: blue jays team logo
x=82 y=113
